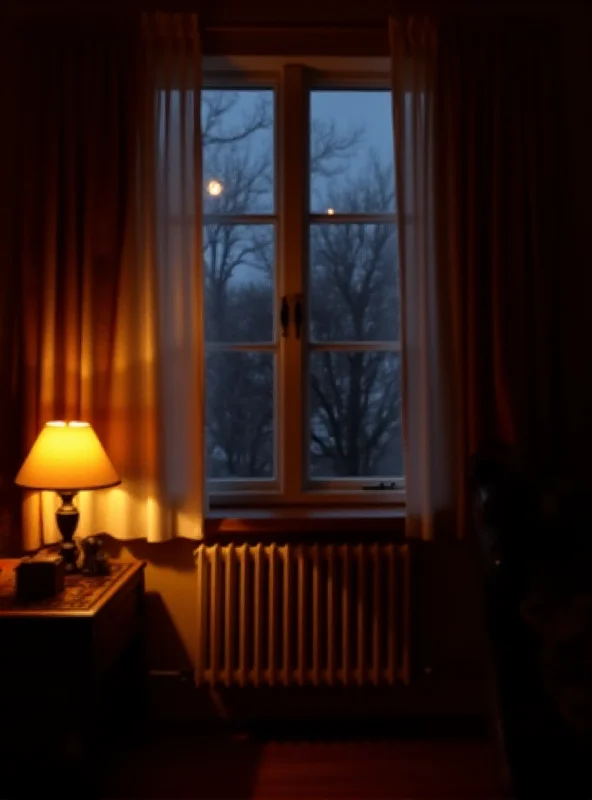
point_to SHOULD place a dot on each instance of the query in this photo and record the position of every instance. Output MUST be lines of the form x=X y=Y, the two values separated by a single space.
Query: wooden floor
x=240 y=768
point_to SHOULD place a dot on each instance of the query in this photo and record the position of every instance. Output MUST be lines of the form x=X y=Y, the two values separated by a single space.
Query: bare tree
x=238 y=267
x=330 y=148
x=354 y=396
x=219 y=123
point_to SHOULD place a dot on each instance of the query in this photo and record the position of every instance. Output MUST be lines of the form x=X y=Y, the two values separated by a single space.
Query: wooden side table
x=71 y=668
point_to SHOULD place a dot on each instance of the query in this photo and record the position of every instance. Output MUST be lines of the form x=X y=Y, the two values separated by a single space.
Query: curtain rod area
x=327 y=39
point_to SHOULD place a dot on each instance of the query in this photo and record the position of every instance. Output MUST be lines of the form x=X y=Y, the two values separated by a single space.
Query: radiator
x=283 y=615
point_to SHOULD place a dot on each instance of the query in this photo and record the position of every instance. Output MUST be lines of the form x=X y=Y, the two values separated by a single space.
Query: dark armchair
x=535 y=547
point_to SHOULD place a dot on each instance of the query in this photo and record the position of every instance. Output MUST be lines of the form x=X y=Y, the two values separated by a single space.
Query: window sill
x=294 y=520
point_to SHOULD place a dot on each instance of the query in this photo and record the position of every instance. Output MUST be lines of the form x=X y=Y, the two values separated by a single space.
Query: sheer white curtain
x=131 y=357
x=157 y=413
x=430 y=478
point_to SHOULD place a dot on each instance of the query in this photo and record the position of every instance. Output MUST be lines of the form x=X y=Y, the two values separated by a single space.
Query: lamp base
x=67 y=521
x=69 y=552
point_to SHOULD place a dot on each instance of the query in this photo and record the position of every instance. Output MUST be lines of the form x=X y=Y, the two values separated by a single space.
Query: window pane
x=351 y=152
x=355 y=415
x=239 y=277
x=238 y=151
x=240 y=415
x=354 y=287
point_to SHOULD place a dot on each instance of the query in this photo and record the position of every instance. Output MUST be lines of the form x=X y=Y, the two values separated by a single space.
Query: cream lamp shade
x=67 y=457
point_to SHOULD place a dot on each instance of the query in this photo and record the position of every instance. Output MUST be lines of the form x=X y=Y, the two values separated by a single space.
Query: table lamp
x=67 y=458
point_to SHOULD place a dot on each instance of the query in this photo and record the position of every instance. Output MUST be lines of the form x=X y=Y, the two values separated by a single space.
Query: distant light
x=330 y=211
x=214 y=188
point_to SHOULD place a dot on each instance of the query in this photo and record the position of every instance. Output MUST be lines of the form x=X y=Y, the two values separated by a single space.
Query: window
x=299 y=217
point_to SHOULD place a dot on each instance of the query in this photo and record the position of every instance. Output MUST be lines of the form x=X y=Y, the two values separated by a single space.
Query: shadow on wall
x=176 y=554
x=171 y=599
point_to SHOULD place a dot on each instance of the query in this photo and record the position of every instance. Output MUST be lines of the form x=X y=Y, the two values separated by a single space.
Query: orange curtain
x=500 y=106
x=65 y=193
x=103 y=336
x=476 y=105
x=76 y=151
x=10 y=406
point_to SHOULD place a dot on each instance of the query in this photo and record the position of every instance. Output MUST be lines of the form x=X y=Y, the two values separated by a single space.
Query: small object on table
x=94 y=560
x=39 y=576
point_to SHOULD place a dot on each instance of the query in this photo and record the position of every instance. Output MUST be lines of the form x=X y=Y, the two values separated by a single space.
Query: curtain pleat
x=111 y=291
x=428 y=484
x=10 y=405
x=475 y=107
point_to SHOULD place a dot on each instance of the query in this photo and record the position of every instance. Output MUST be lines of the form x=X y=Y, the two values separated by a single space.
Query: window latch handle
x=285 y=316
x=298 y=315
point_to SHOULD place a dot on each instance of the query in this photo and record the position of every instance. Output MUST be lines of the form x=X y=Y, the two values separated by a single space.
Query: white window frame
x=292 y=81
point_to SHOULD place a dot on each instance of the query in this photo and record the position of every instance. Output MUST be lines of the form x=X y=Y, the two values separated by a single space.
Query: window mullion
x=293 y=156
x=355 y=347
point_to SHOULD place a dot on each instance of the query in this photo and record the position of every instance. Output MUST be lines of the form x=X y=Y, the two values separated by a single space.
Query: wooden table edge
x=11 y=563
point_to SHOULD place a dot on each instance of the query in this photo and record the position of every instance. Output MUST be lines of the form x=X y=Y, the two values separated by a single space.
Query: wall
x=172 y=600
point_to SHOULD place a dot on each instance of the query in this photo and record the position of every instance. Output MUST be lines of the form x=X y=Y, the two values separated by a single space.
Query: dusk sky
x=347 y=109
x=350 y=110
